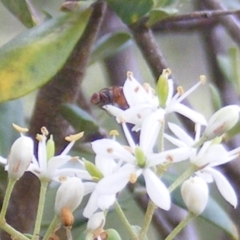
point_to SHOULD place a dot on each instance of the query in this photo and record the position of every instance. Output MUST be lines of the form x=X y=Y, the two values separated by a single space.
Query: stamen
x=166 y=72
x=114 y=133
x=180 y=90
x=39 y=137
x=74 y=159
x=74 y=137
x=62 y=178
x=133 y=178
x=203 y=79
x=44 y=131
x=19 y=129
x=129 y=75
x=121 y=120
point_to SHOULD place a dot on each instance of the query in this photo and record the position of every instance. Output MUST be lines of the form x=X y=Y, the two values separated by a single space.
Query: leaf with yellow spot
x=34 y=57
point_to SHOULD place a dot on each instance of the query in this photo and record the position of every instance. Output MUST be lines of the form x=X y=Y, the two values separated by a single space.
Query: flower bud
x=195 y=194
x=97 y=221
x=222 y=121
x=69 y=195
x=20 y=156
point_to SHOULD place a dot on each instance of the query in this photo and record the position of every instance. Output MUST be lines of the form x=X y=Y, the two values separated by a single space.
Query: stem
x=200 y=142
x=147 y=219
x=41 y=202
x=183 y=177
x=124 y=221
x=51 y=228
x=180 y=226
x=11 y=231
x=11 y=183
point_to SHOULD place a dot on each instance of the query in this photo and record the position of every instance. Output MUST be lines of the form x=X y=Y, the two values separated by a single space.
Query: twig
x=65 y=85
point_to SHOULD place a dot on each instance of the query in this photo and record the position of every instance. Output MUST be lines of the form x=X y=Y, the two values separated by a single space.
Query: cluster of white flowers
x=116 y=165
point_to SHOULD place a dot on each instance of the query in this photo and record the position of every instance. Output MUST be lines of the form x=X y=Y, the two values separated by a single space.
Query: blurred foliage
x=32 y=58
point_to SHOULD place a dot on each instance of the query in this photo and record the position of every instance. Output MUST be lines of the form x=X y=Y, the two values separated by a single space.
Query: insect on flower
x=112 y=95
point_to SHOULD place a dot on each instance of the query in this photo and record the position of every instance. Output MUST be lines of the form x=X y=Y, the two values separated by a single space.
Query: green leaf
x=130 y=11
x=109 y=45
x=10 y=112
x=79 y=119
x=216 y=97
x=34 y=57
x=213 y=213
x=20 y=10
x=160 y=14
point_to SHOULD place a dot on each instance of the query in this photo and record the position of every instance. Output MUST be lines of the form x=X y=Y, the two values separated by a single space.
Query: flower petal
x=111 y=149
x=150 y=129
x=187 y=112
x=223 y=186
x=156 y=190
x=174 y=155
x=116 y=182
x=91 y=206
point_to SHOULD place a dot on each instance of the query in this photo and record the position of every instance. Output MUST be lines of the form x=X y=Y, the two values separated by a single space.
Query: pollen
x=133 y=178
x=19 y=129
x=114 y=133
x=203 y=79
x=74 y=137
x=129 y=75
x=180 y=90
x=39 y=137
x=44 y=131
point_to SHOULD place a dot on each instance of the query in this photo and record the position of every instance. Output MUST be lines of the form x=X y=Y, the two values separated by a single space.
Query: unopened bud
x=96 y=222
x=195 y=194
x=69 y=195
x=222 y=121
x=20 y=156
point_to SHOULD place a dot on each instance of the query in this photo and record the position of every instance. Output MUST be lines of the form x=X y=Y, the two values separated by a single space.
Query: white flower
x=136 y=160
x=195 y=194
x=221 y=121
x=142 y=102
x=69 y=195
x=20 y=156
x=206 y=158
x=49 y=169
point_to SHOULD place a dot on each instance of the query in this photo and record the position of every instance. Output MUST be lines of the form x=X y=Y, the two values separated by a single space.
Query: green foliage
x=33 y=58
x=216 y=97
x=79 y=119
x=160 y=14
x=11 y=112
x=20 y=9
x=109 y=45
x=131 y=11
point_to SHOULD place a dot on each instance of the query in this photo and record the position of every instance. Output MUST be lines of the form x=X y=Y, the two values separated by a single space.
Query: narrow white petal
x=3 y=160
x=156 y=190
x=106 y=201
x=115 y=182
x=223 y=186
x=111 y=149
x=72 y=172
x=114 y=111
x=42 y=154
x=174 y=141
x=174 y=155
x=150 y=129
x=106 y=165
x=187 y=112
x=89 y=187
x=128 y=136
x=91 y=206
x=182 y=135
x=135 y=93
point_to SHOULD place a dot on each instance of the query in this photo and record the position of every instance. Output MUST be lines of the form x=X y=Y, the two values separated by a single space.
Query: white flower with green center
x=48 y=166
x=206 y=158
x=136 y=160
x=143 y=102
